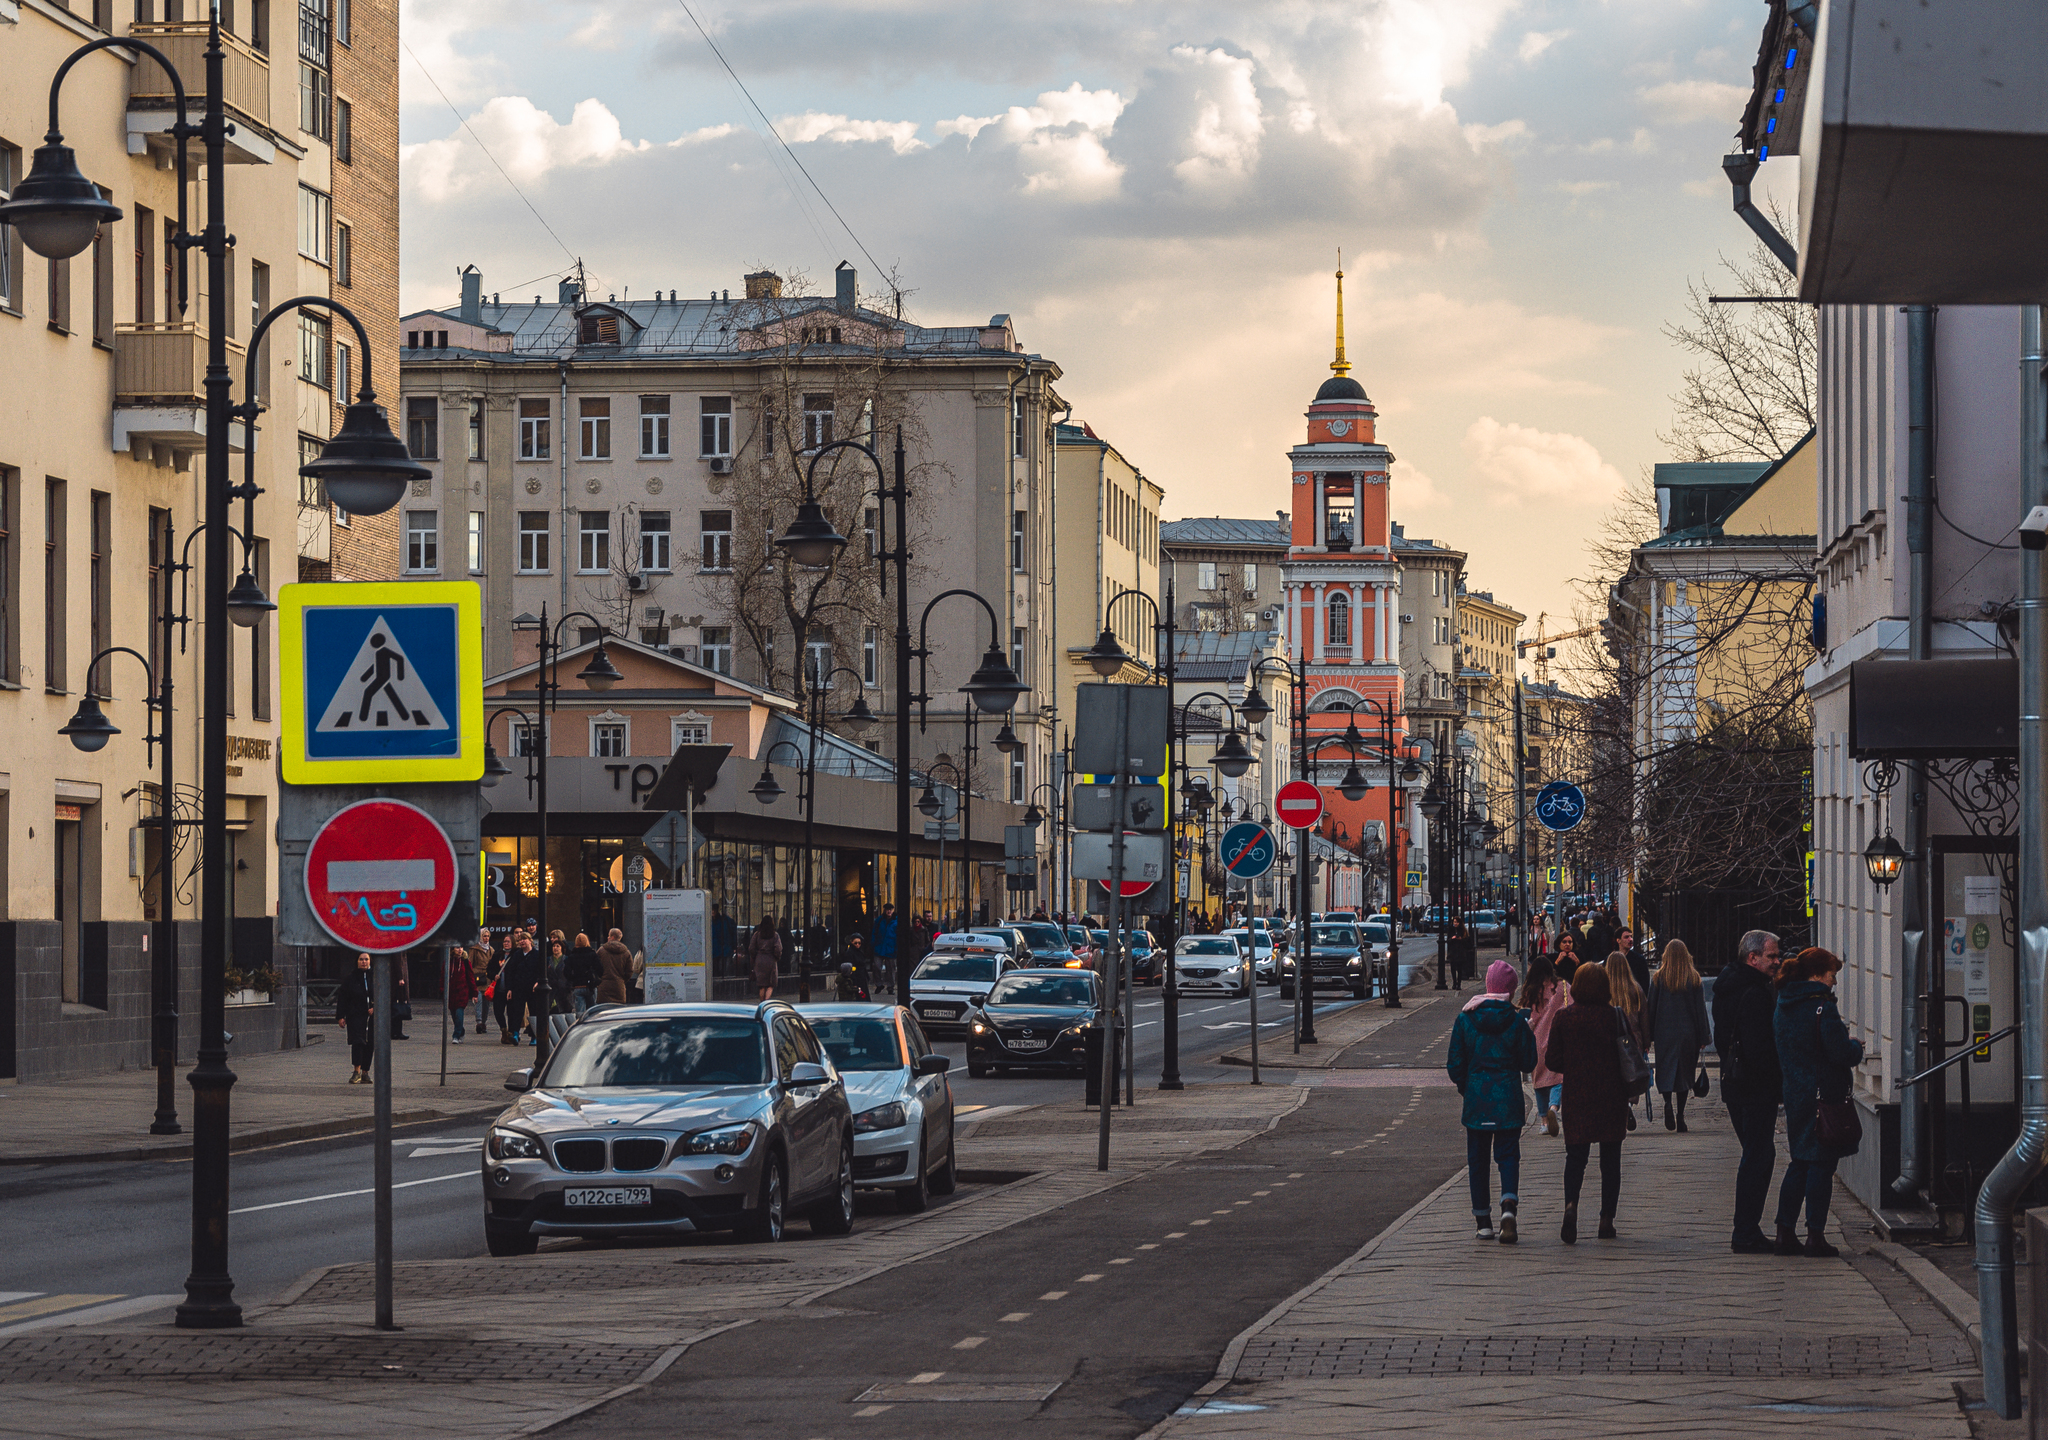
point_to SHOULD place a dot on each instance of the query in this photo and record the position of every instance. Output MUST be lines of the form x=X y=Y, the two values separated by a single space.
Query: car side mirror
x=520 y=1081
x=808 y=1072
x=933 y=1064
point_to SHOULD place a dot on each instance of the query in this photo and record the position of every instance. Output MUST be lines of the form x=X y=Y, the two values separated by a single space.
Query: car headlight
x=978 y=1028
x=514 y=1145
x=1077 y=1032
x=729 y=1140
x=1355 y=961
x=882 y=1117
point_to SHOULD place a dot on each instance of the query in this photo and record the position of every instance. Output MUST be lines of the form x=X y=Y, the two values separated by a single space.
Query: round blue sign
x=1248 y=850
x=1560 y=805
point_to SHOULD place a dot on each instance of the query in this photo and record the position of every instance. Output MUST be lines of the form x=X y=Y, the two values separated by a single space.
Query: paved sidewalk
x=1427 y=1332
x=278 y=1096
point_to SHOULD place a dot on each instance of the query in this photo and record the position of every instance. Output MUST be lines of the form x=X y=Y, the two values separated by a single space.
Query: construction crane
x=1546 y=645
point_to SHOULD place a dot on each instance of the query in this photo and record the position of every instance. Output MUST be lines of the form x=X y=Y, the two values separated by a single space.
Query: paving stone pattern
x=61 y=1356
x=1378 y=1357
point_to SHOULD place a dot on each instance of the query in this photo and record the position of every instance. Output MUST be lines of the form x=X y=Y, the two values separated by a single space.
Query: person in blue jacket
x=1816 y=1054
x=1492 y=1048
x=885 y=943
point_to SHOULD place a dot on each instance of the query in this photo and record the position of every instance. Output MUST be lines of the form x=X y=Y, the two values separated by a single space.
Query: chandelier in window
x=529 y=878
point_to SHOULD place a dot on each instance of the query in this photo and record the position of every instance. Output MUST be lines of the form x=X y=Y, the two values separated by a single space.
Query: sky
x=1157 y=194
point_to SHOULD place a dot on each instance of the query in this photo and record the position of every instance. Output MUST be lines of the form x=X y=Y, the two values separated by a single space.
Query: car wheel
x=915 y=1196
x=1357 y=992
x=976 y=1072
x=509 y=1241
x=763 y=1224
x=1286 y=991
x=946 y=1179
x=834 y=1216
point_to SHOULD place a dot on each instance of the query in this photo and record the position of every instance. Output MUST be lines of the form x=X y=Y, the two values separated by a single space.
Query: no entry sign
x=1298 y=804
x=380 y=876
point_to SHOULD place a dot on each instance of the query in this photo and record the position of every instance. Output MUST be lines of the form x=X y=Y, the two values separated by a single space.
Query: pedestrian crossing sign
x=381 y=683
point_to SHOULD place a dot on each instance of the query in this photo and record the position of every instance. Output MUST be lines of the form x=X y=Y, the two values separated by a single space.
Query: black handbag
x=1837 y=1128
x=1699 y=1083
x=401 y=1010
x=1635 y=1070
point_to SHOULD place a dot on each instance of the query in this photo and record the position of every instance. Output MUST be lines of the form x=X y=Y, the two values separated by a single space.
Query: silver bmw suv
x=666 y=1119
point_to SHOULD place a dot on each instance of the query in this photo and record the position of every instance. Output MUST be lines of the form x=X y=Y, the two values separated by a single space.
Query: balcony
x=152 y=104
x=159 y=392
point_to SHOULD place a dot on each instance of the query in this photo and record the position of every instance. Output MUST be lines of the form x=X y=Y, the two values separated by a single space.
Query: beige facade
x=102 y=433
x=1430 y=642
x=1487 y=630
x=1226 y=573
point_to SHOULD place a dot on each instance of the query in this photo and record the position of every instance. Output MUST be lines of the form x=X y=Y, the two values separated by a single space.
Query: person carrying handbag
x=1586 y=1048
x=1816 y=1054
x=1677 y=1026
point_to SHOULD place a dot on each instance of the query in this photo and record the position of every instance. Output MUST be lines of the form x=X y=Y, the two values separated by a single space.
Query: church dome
x=1340 y=387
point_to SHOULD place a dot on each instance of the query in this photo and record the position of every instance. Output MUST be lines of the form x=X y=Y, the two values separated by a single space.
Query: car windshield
x=956 y=965
x=1140 y=941
x=664 y=1051
x=1077 y=989
x=1378 y=929
x=1219 y=946
x=860 y=1042
x=1043 y=937
x=1333 y=935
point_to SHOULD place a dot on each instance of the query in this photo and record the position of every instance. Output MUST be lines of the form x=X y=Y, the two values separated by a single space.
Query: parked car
x=1335 y=958
x=1259 y=945
x=1034 y=1020
x=957 y=972
x=1210 y=963
x=1341 y=917
x=1487 y=927
x=1048 y=943
x=901 y=1101
x=669 y=1119
x=1012 y=936
x=1147 y=965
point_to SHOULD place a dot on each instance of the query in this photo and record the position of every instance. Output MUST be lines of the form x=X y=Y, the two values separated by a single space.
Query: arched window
x=1339 y=621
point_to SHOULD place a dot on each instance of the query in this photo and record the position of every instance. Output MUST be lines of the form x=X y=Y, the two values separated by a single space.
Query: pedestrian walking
x=520 y=981
x=1492 y=1048
x=764 y=957
x=401 y=995
x=885 y=943
x=1635 y=1010
x=1543 y=996
x=461 y=989
x=1816 y=1054
x=1638 y=958
x=584 y=971
x=483 y=967
x=724 y=940
x=1678 y=1026
x=1566 y=960
x=353 y=1008
x=615 y=962
x=1751 y=1083
x=1596 y=1100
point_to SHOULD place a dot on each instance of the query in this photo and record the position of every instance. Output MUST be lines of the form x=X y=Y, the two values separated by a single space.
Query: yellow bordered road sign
x=381 y=683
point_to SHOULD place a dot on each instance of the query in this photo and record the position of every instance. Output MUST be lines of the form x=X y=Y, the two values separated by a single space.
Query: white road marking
x=1085 y=1279
x=926 y=1377
x=346 y=1194
x=1178 y=1235
x=1054 y=1295
x=1121 y=1260
x=867 y=1410
x=970 y=1342
x=1148 y=1247
x=1016 y=1315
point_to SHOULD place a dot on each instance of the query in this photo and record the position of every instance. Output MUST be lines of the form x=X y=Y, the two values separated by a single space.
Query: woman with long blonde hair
x=1678 y=1027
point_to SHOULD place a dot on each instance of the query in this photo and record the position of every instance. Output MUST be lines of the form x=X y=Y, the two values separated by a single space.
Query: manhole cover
x=1029 y=1392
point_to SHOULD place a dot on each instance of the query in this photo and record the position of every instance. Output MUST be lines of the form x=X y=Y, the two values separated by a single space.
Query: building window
x=344 y=256
x=316 y=224
x=315 y=350
x=522 y=737
x=312 y=493
x=870 y=658
x=1016 y=424
x=103 y=286
x=1205 y=575
x=533 y=542
x=1340 y=621
x=54 y=571
x=313 y=30
x=99 y=577
x=422 y=541
x=533 y=429
x=714 y=425
x=688 y=732
x=476 y=542
x=598 y=330
x=594 y=546
x=344 y=27
x=60 y=296
x=654 y=540
x=1017 y=539
x=344 y=132
x=1017 y=649
x=423 y=427
x=476 y=429
x=344 y=370
x=10 y=243
x=608 y=739
x=817 y=661
x=654 y=427
x=315 y=98
x=871 y=531
x=1017 y=778
x=596 y=428
x=1251 y=579
x=715 y=527
x=817 y=421
x=715 y=652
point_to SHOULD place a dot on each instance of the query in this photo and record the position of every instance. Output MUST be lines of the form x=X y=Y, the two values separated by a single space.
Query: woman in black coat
x=353 y=1008
x=1596 y=1103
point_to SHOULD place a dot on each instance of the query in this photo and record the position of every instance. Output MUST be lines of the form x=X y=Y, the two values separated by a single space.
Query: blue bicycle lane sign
x=1560 y=805
x=1248 y=849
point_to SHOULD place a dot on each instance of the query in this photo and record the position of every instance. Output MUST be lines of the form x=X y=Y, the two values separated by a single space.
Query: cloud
x=1056 y=145
x=524 y=138
x=1411 y=489
x=1678 y=102
x=1482 y=136
x=1524 y=465
x=1536 y=42
x=1224 y=140
x=899 y=135
x=1580 y=188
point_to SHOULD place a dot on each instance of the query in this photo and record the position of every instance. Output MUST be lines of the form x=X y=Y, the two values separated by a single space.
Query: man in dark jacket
x=1751 y=1086
x=521 y=977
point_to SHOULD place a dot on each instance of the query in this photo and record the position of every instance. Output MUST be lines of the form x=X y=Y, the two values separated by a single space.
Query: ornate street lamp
x=1884 y=858
x=1107 y=657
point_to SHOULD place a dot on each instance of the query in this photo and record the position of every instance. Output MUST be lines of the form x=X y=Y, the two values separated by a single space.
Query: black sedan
x=1033 y=1020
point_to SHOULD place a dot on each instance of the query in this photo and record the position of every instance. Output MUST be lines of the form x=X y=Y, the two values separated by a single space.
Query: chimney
x=472 y=295
x=570 y=292
x=846 y=275
x=764 y=285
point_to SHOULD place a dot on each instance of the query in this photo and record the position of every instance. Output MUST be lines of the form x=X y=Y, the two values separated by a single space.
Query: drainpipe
x=1913 y=973
x=563 y=553
x=2019 y=1165
x=1740 y=168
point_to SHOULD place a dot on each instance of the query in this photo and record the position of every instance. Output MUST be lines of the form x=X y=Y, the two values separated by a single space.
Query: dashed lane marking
x=1015 y=1315
x=925 y=1377
x=970 y=1342
x=1090 y=1279
x=1054 y=1295
x=867 y=1410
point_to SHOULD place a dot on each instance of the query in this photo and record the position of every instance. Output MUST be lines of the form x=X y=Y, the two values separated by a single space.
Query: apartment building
x=102 y=434
x=1486 y=630
x=1431 y=574
x=1226 y=572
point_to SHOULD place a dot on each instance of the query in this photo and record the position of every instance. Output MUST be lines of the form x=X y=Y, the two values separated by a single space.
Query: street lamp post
x=598 y=674
x=1231 y=759
x=58 y=212
x=933 y=808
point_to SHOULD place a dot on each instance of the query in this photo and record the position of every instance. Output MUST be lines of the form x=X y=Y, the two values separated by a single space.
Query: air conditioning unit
x=721 y=464
x=1407 y=619
x=636 y=583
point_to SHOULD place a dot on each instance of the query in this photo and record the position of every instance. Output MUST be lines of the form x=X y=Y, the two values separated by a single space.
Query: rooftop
x=1219 y=530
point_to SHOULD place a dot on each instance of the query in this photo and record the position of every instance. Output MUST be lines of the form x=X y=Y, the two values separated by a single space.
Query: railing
x=245 y=71
x=163 y=364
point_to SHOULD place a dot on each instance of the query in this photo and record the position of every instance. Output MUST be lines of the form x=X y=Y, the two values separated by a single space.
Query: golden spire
x=1340 y=365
